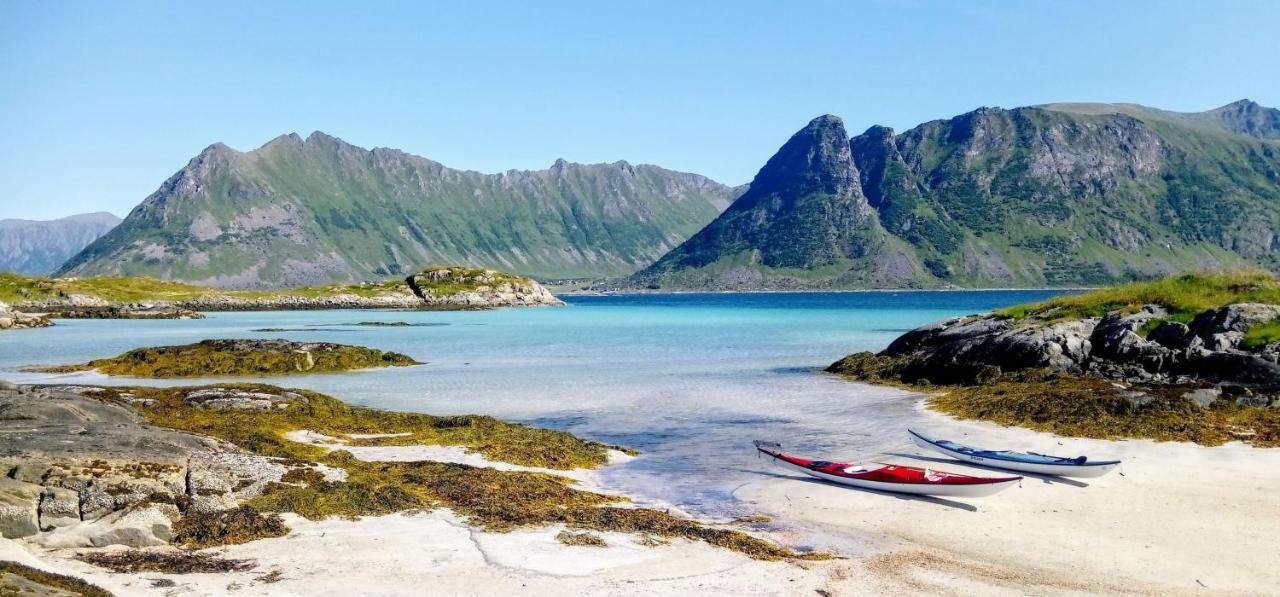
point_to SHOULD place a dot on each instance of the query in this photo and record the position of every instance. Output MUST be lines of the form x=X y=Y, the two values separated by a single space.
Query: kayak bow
x=1026 y=462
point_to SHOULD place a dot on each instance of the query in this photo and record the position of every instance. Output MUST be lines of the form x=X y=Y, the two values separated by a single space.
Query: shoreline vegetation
x=1188 y=358
x=216 y=358
x=254 y=472
x=115 y=297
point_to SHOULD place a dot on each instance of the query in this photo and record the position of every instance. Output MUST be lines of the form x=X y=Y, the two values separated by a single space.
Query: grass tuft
x=1184 y=296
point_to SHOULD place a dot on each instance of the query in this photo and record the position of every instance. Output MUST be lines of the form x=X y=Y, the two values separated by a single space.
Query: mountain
x=37 y=247
x=296 y=212
x=1056 y=195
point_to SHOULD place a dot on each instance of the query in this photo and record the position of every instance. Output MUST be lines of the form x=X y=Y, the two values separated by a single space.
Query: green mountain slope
x=297 y=212
x=1068 y=194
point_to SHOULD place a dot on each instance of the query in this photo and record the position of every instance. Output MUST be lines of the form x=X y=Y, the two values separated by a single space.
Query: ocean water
x=687 y=379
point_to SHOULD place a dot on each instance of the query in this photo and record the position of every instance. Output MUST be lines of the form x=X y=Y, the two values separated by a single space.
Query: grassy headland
x=1184 y=296
x=440 y=282
x=982 y=373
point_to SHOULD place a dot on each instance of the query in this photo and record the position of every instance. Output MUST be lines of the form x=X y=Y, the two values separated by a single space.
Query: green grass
x=1262 y=334
x=1184 y=296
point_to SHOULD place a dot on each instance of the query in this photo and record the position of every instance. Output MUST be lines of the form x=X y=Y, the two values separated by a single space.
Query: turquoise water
x=688 y=379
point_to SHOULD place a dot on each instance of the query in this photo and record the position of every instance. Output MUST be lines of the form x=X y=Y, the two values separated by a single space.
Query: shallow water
x=687 y=379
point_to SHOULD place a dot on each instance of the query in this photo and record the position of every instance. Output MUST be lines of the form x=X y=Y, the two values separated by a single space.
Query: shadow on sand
x=1049 y=479
x=901 y=496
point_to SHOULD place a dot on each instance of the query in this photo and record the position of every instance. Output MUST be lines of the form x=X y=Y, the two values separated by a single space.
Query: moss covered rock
x=216 y=358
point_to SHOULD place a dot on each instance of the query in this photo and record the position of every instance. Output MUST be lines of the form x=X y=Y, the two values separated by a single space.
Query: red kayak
x=892 y=477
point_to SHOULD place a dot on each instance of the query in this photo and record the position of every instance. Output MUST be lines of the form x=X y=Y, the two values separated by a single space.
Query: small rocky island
x=1194 y=358
x=222 y=358
x=216 y=358
x=438 y=287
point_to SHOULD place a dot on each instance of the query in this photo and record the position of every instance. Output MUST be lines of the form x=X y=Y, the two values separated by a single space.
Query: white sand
x=1181 y=519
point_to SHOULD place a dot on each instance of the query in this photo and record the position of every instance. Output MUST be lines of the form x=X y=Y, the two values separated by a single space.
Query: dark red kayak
x=892 y=477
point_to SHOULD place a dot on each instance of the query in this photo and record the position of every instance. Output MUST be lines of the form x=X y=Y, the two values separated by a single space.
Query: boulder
x=142 y=526
x=1174 y=335
x=1222 y=328
x=233 y=399
x=95 y=502
x=19 y=508
x=1116 y=338
x=220 y=481
x=59 y=507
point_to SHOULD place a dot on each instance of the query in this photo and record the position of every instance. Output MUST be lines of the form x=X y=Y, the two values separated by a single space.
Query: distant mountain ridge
x=1055 y=195
x=306 y=211
x=38 y=247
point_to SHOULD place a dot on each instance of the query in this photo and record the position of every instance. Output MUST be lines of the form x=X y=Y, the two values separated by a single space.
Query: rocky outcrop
x=478 y=288
x=439 y=287
x=78 y=468
x=1140 y=346
x=11 y=319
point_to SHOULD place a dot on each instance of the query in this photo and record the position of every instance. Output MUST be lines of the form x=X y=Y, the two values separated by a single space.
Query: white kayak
x=891 y=477
x=1026 y=462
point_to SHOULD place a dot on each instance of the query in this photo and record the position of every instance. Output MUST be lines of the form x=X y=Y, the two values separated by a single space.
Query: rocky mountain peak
x=815 y=160
x=1247 y=117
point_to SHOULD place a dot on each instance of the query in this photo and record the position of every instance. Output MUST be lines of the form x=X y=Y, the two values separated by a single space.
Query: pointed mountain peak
x=286 y=140
x=1241 y=104
x=1247 y=117
x=814 y=160
x=876 y=131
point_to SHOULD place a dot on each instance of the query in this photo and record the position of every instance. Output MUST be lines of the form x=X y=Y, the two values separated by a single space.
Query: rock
x=1116 y=338
x=1238 y=317
x=233 y=399
x=1203 y=396
x=143 y=526
x=59 y=507
x=13 y=319
x=1174 y=335
x=218 y=481
x=31 y=471
x=1236 y=367
x=95 y=502
x=19 y=508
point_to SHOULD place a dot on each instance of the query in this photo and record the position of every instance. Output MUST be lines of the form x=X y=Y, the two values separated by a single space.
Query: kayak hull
x=972 y=491
x=1082 y=470
x=893 y=478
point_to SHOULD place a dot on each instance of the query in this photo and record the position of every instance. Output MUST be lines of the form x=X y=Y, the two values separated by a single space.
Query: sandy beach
x=1181 y=519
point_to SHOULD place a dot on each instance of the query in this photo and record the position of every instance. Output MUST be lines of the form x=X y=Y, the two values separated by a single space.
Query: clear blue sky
x=101 y=101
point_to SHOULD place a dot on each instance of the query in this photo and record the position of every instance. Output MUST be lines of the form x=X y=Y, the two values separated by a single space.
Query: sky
x=102 y=101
